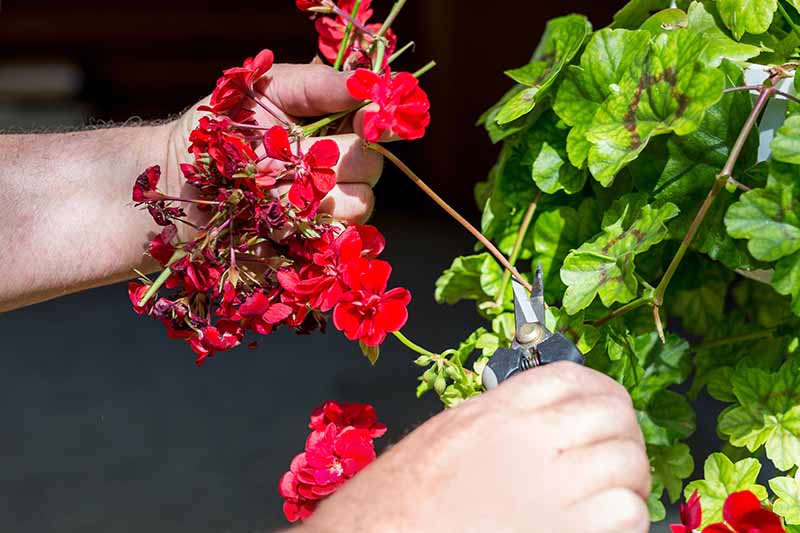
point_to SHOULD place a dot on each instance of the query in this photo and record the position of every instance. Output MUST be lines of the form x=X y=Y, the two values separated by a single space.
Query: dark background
x=105 y=425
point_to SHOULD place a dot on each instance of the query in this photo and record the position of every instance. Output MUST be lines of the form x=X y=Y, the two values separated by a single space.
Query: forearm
x=66 y=218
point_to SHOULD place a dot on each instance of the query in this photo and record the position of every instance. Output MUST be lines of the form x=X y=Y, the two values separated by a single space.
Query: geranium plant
x=639 y=163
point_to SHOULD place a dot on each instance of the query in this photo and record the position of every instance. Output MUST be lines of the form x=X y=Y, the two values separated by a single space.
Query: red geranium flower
x=314 y=176
x=225 y=335
x=404 y=106
x=743 y=513
x=229 y=153
x=261 y=314
x=237 y=83
x=358 y=415
x=691 y=515
x=333 y=454
x=369 y=312
x=160 y=247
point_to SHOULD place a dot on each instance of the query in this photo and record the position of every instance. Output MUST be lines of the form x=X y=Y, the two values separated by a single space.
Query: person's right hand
x=555 y=449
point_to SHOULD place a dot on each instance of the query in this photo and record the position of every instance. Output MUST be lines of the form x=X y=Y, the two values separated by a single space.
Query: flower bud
x=440 y=384
x=423 y=360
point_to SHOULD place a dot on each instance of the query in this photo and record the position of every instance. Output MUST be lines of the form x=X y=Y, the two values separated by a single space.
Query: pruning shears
x=534 y=345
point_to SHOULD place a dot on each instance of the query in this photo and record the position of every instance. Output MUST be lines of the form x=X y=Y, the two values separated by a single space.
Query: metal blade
x=537 y=294
x=523 y=310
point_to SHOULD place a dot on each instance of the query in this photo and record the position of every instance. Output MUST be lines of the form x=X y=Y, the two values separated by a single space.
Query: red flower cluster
x=339 y=446
x=404 y=109
x=743 y=513
x=263 y=259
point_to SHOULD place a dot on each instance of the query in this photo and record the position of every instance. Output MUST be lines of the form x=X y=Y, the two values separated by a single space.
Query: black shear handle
x=509 y=361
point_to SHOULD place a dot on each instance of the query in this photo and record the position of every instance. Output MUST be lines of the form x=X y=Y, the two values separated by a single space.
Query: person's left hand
x=293 y=93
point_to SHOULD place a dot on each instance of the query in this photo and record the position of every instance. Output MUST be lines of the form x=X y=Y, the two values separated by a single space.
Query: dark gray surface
x=107 y=426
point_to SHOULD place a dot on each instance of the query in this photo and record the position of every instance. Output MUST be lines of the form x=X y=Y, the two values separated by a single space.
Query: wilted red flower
x=369 y=312
x=404 y=108
x=314 y=176
x=144 y=188
x=333 y=454
x=358 y=415
x=691 y=515
x=136 y=292
x=237 y=83
x=160 y=247
x=743 y=513
x=212 y=139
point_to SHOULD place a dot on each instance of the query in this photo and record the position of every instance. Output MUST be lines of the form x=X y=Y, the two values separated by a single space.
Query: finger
x=307 y=90
x=588 y=420
x=554 y=383
x=612 y=464
x=610 y=511
x=351 y=202
x=358 y=123
x=357 y=163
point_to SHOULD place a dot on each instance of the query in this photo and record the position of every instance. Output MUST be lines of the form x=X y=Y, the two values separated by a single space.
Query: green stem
x=314 y=127
x=727 y=171
x=400 y=52
x=162 y=278
x=413 y=346
x=424 y=70
x=380 y=37
x=348 y=31
x=517 y=249
x=788 y=19
x=450 y=211
x=627 y=308
x=725 y=341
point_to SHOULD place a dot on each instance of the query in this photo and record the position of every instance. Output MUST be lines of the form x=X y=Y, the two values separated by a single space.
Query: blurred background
x=105 y=424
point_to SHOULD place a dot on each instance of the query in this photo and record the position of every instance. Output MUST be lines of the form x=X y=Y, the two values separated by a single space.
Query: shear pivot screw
x=530 y=334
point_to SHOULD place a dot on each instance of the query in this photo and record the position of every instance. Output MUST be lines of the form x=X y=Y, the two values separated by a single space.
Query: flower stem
x=424 y=70
x=523 y=230
x=314 y=127
x=627 y=308
x=162 y=278
x=380 y=37
x=413 y=346
x=788 y=20
x=347 y=33
x=764 y=94
x=450 y=211
x=400 y=52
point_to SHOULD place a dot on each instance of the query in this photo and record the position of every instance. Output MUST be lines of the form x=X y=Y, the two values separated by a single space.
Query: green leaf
x=768 y=413
x=747 y=16
x=665 y=20
x=702 y=304
x=562 y=39
x=605 y=266
x=607 y=57
x=474 y=277
x=723 y=478
x=787 y=489
x=691 y=167
x=786 y=144
x=636 y=12
x=671 y=465
x=552 y=172
x=654 y=504
x=786 y=279
x=668 y=92
x=720 y=45
x=769 y=218
x=666 y=418
x=556 y=233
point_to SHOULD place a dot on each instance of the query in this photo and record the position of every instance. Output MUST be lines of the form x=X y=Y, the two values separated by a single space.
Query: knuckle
x=631 y=511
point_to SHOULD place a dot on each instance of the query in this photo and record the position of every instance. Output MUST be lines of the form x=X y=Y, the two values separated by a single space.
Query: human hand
x=291 y=93
x=556 y=449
